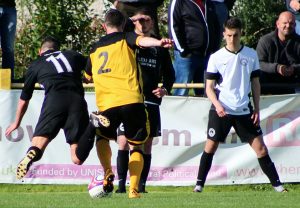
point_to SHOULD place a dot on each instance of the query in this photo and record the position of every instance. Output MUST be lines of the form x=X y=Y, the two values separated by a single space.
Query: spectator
x=64 y=106
x=294 y=7
x=192 y=26
x=279 y=56
x=222 y=8
x=130 y=7
x=232 y=73
x=156 y=66
x=8 y=22
x=112 y=67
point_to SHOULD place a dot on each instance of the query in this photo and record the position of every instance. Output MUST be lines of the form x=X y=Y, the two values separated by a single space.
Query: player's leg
x=147 y=164
x=79 y=128
x=104 y=154
x=136 y=129
x=205 y=163
x=34 y=153
x=122 y=160
x=155 y=131
x=249 y=132
x=80 y=150
x=80 y=125
x=46 y=129
x=135 y=166
x=217 y=130
x=266 y=163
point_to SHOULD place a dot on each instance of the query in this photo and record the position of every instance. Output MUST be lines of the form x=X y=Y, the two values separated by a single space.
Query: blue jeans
x=8 y=22
x=188 y=69
x=221 y=11
x=297 y=28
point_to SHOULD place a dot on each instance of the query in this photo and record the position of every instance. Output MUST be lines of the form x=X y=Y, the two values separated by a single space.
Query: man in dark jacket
x=279 y=56
x=8 y=22
x=192 y=26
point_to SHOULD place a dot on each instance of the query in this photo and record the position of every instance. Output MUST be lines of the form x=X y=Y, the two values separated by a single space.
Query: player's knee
x=261 y=152
x=122 y=143
x=80 y=156
x=148 y=146
x=136 y=150
x=76 y=161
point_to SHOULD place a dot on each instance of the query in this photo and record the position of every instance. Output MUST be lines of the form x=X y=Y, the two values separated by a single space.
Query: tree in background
x=258 y=17
x=68 y=20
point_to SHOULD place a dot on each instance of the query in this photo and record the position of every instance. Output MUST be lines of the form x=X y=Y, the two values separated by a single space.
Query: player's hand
x=11 y=128
x=166 y=43
x=160 y=92
x=140 y=17
x=255 y=118
x=220 y=111
x=86 y=80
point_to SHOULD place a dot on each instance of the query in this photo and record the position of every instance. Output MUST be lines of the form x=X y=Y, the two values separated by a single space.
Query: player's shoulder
x=248 y=50
x=71 y=52
x=219 y=53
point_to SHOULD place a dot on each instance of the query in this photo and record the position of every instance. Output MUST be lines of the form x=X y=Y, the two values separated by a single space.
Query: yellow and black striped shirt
x=112 y=65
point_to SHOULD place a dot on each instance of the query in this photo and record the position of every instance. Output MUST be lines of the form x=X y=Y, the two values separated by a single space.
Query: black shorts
x=219 y=127
x=154 y=121
x=134 y=119
x=67 y=111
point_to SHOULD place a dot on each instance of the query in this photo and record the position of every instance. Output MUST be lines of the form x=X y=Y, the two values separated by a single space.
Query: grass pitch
x=69 y=196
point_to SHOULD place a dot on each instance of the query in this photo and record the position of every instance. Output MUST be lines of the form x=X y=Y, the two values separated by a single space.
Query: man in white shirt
x=232 y=74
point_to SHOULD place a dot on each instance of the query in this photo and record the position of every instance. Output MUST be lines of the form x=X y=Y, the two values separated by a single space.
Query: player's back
x=112 y=65
x=57 y=71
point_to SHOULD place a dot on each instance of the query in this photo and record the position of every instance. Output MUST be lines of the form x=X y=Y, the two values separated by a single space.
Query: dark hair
x=233 y=23
x=51 y=42
x=145 y=11
x=114 y=18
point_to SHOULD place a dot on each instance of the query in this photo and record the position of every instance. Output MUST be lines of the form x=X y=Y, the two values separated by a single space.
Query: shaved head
x=285 y=25
x=286 y=15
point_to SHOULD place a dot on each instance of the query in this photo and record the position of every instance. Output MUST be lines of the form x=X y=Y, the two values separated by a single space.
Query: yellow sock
x=135 y=166
x=104 y=154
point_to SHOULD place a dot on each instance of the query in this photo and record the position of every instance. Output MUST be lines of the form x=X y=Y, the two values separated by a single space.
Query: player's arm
x=210 y=92
x=88 y=76
x=255 y=87
x=146 y=42
x=21 y=110
x=134 y=40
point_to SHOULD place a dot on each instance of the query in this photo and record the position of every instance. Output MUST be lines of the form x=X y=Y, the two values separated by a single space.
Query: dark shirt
x=55 y=71
x=271 y=52
x=156 y=67
x=8 y=3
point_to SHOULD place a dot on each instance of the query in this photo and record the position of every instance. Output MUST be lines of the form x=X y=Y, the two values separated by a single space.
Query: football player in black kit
x=64 y=106
x=156 y=66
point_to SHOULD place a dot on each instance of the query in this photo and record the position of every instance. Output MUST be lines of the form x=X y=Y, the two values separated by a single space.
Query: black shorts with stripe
x=135 y=120
x=154 y=121
x=67 y=111
x=218 y=127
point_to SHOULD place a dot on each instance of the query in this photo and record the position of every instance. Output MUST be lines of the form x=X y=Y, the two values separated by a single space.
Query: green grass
x=69 y=196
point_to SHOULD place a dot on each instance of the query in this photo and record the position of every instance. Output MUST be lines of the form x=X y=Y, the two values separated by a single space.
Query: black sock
x=145 y=172
x=269 y=169
x=86 y=143
x=38 y=153
x=204 y=167
x=122 y=168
